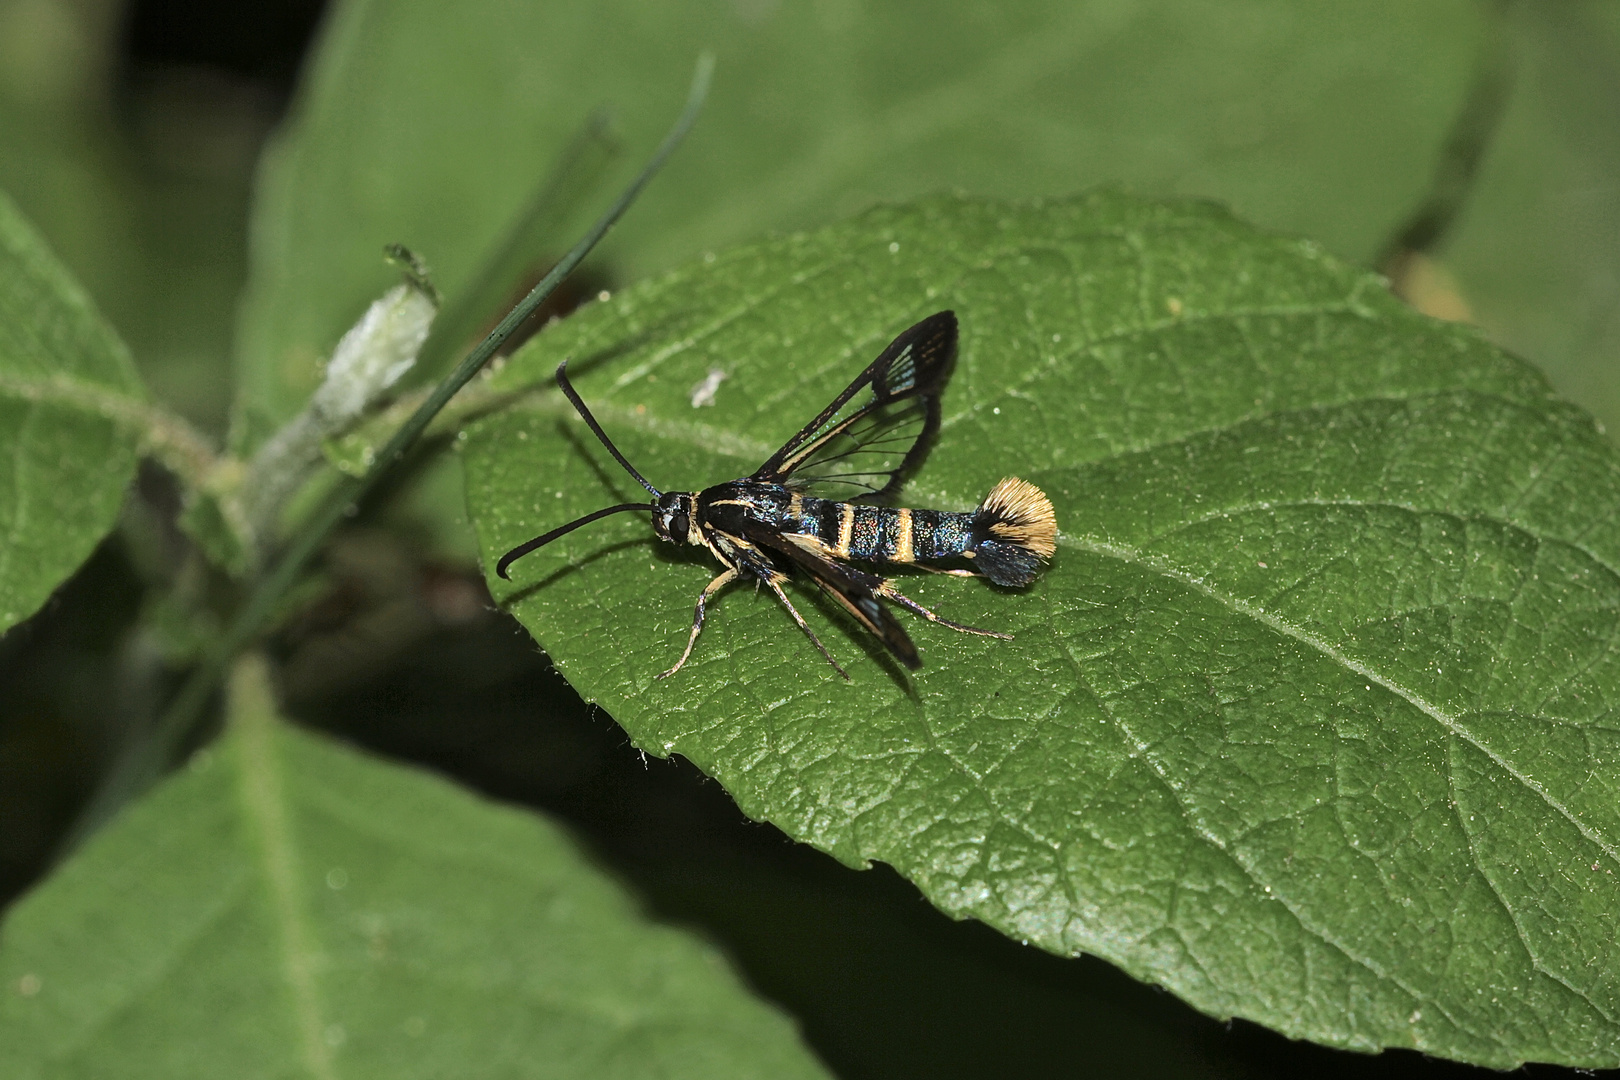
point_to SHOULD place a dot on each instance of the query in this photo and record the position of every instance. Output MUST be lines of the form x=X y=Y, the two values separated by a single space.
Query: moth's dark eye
x=678 y=525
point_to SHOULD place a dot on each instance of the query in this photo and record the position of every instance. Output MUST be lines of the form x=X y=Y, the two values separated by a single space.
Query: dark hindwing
x=863 y=445
x=855 y=589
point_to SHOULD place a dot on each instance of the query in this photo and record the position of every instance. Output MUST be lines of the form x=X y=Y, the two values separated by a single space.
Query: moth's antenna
x=562 y=530
x=585 y=414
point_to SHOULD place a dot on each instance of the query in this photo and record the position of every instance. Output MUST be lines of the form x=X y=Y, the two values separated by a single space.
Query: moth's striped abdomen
x=1007 y=536
x=882 y=533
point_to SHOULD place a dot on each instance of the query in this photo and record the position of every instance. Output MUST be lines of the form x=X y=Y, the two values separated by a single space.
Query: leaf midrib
x=712 y=440
x=268 y=813
x=730 y=443
x=1410 y=508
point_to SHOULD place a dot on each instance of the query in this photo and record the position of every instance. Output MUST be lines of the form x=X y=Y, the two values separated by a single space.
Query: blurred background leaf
x=431 y=126
x=69 y=398
x=287 y=906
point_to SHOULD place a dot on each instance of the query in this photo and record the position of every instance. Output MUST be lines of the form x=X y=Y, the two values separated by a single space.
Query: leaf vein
x=1440 y=716
x=1142 y=751
x=1502 y=901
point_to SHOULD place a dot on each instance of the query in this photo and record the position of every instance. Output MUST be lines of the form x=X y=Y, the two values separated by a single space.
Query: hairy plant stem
x=164 y=435
x=150 y=753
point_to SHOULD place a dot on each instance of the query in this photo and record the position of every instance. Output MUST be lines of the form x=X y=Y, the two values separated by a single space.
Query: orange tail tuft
x=1015 y=528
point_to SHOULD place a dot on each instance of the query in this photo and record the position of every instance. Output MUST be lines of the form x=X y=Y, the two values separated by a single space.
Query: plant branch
x=145 y=761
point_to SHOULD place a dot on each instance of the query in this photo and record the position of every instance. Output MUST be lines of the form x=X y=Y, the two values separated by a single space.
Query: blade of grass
x=462 y=316
x=148 y=756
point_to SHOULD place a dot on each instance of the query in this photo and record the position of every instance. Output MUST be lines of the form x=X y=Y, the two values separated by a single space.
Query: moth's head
x=675 y=519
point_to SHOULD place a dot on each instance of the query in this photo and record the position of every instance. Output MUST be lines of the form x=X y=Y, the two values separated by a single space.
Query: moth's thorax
x=727 y=506
x=675 y=518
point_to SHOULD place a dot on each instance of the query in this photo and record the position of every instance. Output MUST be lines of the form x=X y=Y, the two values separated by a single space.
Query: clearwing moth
x=816 y=504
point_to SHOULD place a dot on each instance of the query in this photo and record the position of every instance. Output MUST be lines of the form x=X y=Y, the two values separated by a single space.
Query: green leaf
x=1307 y=721
x=287 y=906
x=67 y=449
x=432 y=125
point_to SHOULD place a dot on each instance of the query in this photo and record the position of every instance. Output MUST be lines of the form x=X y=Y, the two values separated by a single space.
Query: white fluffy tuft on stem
x=375 y=353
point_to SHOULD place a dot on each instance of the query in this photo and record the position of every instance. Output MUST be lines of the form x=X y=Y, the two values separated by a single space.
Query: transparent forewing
x=865 y=442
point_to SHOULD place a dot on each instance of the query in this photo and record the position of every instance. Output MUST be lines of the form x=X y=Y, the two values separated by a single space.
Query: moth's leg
x=952 y=573
x=697 y=617
x=887 y=591
x=776 y=588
